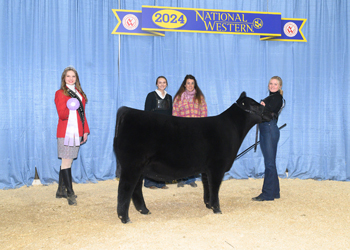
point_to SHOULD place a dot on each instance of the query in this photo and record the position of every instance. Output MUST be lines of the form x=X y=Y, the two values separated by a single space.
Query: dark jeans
x=187 y=180
x=149 y=183
x=269 y=136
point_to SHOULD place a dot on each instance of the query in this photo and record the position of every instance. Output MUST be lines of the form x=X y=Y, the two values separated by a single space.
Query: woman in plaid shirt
x=189 y=101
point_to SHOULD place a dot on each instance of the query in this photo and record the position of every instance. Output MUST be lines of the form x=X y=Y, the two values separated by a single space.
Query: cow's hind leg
x=126 y=188
x=206 y=190
x=137 y=198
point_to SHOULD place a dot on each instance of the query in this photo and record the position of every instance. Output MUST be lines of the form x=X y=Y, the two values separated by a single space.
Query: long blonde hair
x=280 y=81
x=77 y=82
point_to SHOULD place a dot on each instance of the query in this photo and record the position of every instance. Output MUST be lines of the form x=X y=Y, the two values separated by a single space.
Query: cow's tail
x=118 y=171
x=120 y=117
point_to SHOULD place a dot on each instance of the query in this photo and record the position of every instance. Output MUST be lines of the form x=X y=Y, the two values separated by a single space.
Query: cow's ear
x=242 y=96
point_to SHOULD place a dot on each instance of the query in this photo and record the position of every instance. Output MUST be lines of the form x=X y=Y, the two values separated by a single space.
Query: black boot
x=70 y=174
x=61 y=191
x=67 y=178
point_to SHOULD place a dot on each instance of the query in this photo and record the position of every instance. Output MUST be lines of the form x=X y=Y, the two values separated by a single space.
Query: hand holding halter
x=73 y=104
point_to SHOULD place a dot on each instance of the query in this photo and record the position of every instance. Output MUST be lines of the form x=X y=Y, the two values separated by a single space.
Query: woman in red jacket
x=72 y=129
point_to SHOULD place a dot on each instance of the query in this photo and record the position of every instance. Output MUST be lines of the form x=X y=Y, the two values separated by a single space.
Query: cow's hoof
x=207 y=205
x=146 y=211
x=217 y=210
x=124 y=220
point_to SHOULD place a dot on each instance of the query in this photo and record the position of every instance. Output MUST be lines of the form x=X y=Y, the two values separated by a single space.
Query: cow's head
x=251 y=106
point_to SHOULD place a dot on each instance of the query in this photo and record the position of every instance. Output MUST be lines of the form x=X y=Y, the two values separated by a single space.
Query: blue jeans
x=269 y=136
x=149 y=183
x=187 y=180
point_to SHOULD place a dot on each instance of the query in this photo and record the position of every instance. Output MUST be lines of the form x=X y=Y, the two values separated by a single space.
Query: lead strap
x=256 y=137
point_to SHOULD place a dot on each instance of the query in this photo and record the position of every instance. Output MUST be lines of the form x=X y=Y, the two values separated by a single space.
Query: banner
x=210 y=21
x=291 y=31
x=155 y=20
x=130 y=23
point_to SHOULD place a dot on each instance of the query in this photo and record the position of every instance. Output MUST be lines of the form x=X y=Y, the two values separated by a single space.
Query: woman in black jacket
x=269 y=136
x=158 y=101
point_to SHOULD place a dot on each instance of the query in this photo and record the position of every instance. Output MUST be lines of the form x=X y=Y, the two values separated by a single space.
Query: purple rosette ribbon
x=72 y=132
x=73 y=104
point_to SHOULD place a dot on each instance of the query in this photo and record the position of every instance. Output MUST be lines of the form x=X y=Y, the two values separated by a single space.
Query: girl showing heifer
x=72 y=129
x=269 y=136
x=189 y=102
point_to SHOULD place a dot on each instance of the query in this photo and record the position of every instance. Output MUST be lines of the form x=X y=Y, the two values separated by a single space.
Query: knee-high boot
x=70 y=174
x=61 y=191
x=67 y=178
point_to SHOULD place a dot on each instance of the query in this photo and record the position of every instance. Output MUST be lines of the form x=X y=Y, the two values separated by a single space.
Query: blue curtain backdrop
x=39 y=38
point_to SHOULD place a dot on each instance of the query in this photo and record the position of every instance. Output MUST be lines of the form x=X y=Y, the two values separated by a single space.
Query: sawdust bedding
x=309 y=215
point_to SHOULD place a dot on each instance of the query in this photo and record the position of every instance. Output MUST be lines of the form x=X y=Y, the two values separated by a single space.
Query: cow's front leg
x=206 y=190
x=137 y=198
x=214 y=186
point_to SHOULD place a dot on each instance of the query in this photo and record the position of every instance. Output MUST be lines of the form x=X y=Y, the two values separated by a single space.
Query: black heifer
x=167 y=148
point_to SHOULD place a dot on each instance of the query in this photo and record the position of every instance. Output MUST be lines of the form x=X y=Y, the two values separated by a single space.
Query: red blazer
x=63 y=113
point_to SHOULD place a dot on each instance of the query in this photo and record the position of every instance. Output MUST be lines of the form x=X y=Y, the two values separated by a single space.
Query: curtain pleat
x=41 y=38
